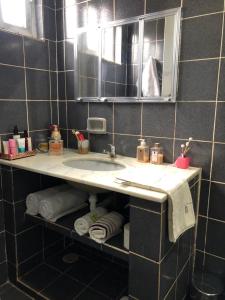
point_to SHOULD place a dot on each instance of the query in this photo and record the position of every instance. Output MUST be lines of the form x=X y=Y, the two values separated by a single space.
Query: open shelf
x=65 y=226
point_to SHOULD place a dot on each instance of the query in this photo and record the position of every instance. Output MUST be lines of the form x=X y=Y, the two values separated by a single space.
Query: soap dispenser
x=143 y=151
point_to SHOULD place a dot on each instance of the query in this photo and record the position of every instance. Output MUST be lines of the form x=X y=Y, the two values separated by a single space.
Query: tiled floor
x=10 y=292
x=89 y=278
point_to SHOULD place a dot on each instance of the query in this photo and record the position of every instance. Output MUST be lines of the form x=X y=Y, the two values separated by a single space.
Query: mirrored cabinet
x=129 y=60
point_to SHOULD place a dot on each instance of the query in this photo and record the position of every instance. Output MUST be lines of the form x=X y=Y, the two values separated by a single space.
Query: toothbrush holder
x=83 y=146
x=182 y=162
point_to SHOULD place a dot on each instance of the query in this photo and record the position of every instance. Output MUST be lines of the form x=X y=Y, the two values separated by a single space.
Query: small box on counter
x=55 y=147
x=17 y=146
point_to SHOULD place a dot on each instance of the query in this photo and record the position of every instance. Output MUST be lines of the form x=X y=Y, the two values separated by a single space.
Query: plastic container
x=183 y=162
x=83 y=147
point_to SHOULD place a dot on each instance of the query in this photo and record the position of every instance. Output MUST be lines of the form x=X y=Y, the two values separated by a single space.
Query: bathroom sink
x=94 y=164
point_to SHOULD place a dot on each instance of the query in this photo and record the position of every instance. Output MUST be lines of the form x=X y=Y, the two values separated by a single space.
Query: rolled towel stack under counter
x=33 y=199
x=82 y=225
x=106 y=227
x=56 y=202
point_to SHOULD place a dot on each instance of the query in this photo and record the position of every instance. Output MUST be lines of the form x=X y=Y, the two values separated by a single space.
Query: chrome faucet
x=112 y=152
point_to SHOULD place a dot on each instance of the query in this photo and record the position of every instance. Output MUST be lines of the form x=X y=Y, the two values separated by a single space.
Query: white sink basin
x=94 y=164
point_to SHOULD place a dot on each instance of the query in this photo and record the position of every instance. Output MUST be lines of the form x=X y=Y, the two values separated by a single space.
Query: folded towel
x=173 y=182
x=106 y=227
x=33 y=199
x=181 y=214
x=62 y=204
x=82 y=225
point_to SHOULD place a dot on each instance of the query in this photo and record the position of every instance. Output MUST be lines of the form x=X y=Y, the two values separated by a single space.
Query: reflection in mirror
x=157 y=68
x=129 y=60
x=120 y=60
x=87 y=63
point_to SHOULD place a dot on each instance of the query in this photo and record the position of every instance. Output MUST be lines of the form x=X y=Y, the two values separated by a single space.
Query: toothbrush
x=78 y=135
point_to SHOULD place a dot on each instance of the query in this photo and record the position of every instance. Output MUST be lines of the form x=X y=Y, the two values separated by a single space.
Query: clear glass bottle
x=143 y=151
x=156 y=156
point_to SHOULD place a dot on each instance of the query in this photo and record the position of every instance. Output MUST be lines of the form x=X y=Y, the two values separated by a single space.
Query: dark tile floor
x=10 y=292
x=90 y=277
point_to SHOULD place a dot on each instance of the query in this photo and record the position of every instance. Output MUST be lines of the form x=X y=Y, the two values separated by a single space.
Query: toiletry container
x=55 y=147
x=126 y=236
x=83 y=147
x=55 y=143
x=156 y=155
x=143 y=151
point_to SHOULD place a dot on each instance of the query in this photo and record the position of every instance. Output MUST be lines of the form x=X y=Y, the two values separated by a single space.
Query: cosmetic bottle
x=13 y=147
x=143 y=151
x=5 y=145
x=156 y=156
x=55 y=135
x=16 y=134
x=28 y=142
x=21 y=145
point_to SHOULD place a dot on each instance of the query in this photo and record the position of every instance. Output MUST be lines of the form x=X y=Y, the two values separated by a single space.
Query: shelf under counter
x=65 y=226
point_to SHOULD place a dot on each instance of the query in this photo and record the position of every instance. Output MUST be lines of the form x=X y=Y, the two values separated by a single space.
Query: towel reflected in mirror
x=151 y=78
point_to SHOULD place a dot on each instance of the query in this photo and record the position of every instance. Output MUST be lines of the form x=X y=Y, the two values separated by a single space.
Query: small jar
x=55 y=147
x=156 y=156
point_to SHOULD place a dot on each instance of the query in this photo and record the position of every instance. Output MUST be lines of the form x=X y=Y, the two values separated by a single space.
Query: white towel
x=172 y=181
x=33 y=199
x=82 y=225
x=106 y=227
x=150 y=79
x=62 y=203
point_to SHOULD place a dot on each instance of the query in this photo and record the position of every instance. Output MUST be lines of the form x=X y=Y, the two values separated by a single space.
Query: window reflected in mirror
x=87 y=63
x=120 y=61
x=22 y=16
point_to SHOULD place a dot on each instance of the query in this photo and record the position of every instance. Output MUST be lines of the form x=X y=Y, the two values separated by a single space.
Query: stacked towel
x=33 y=199
x=106 y=227
x=83 y=224
x=61 y=204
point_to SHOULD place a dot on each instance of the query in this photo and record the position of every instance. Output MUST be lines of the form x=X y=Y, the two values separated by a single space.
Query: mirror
x=157 y=63
x=119 y=64
x=87 y=57
x=129 y=60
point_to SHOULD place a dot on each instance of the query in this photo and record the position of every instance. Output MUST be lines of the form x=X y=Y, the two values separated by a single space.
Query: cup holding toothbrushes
x=82 y=143
x=83 y=146
x=183 y=162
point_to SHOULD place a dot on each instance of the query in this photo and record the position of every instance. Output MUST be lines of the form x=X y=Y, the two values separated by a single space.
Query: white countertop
x=53 y=166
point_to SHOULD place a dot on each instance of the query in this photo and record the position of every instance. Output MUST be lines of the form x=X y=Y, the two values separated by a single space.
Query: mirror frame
x=140 y=19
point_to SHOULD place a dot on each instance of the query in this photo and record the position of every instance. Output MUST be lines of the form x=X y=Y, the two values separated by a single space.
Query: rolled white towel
x=82 y=225
x=33 y=199
x=62 y=203
x=106 y=227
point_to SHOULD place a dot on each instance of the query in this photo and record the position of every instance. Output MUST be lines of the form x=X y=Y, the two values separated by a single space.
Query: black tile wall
x=208 y=28
x=199 y=82
x=197 y=112
x=25 y=76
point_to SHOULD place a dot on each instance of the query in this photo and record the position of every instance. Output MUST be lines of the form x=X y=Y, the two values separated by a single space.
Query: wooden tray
x=17 y=156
